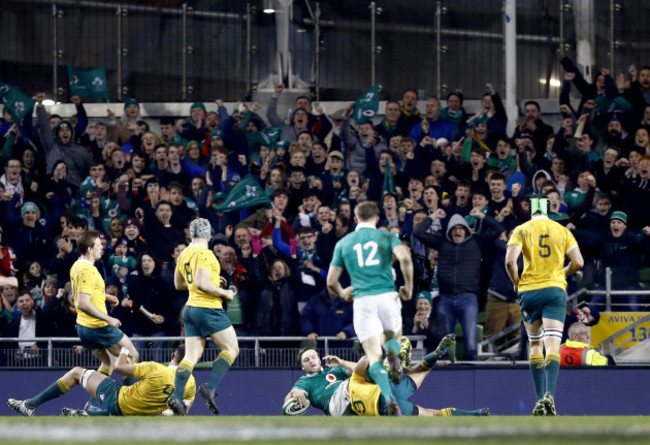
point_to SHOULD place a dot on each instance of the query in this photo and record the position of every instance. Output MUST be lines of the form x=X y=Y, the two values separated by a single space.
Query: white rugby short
x=374 y=314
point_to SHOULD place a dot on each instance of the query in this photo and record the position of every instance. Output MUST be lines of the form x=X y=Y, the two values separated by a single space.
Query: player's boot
x=405 y=349
x=176 y=405
x=549 y=403
x=444 y=345
x=210 y=396
x=395 y=370
x=91 y=405
x=20 y=407
x=540 y=408
x=70 y=412
x=393 y=407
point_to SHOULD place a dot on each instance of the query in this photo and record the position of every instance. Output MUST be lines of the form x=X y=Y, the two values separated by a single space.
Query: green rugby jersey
x=321 y=386
x=366 y=254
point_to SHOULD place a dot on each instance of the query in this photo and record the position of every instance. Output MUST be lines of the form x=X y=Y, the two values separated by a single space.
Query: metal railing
x=494 y=346
x=609 y=342
x=254 y=352
x=608 y=292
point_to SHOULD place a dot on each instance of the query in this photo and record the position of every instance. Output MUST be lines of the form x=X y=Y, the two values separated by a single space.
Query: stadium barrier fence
x=254 y=352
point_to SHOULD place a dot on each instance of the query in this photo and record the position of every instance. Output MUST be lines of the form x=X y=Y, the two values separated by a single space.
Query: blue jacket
x=327 y=316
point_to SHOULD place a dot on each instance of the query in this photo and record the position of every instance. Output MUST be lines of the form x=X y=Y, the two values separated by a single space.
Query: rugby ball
x=292 y=408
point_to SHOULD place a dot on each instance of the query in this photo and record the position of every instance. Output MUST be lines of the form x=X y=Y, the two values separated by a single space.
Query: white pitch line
x=242 y=431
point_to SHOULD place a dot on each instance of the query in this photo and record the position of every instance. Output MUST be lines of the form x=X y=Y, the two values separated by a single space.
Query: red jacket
x=7 y=268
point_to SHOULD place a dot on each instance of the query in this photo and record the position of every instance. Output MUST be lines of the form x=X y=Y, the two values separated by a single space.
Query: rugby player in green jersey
x=342 y=387
x=367 y=255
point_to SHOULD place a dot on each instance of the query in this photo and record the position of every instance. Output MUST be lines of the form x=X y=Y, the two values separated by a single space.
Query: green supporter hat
x=426 y=295
x=197 y=105
x=64 y=124
x=621 y=216
x=131 y=101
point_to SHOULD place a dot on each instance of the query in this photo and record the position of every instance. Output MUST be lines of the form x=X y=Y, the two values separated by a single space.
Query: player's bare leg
x=89 y=379
x=133 y=356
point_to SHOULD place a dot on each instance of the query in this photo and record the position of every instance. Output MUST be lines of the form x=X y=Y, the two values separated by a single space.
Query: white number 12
x=370 y=260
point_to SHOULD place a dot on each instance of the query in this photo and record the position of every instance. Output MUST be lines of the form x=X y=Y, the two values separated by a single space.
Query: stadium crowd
x=456 y=186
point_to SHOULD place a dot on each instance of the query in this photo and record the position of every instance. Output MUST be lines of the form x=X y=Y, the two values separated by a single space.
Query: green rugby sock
x=537 y=372
x=551 y=370
x=380 y=377
x=220 y=367
x=429 y=360
x=459 y=412
x=183 y=373
x=56 y=389
x=393 y=345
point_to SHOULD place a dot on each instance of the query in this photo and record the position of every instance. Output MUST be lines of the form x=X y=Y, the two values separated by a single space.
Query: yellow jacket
x=575 y=353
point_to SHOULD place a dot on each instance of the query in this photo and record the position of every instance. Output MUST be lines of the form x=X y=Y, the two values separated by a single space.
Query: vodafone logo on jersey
x=330 y=378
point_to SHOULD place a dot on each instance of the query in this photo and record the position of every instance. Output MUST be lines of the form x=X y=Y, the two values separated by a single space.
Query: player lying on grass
x=343 y=389
x=147 y=397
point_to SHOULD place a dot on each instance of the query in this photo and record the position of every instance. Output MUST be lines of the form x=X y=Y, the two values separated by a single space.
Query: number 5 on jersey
x=545 y=249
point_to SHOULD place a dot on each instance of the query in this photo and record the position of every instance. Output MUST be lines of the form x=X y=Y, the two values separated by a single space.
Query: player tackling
x=146 y=397
x=342 y=387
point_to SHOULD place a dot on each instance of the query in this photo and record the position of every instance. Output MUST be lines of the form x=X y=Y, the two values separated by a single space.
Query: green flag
x=367 y=105
x=266 y=137
x=16 y=103
x=88 y=83
x=389 y=181
x=247 y=193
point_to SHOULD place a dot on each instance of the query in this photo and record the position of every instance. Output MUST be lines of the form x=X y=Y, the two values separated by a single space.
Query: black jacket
x=155 y=295
x=459 y=264
x=277 y=306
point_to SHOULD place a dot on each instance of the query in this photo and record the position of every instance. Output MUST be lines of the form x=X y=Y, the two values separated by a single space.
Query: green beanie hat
x=197 y=105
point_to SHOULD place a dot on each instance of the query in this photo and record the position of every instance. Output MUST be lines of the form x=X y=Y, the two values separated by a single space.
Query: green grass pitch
x=319 y=430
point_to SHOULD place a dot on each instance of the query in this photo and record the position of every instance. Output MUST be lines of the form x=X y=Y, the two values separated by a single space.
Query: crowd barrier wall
x=506 y=391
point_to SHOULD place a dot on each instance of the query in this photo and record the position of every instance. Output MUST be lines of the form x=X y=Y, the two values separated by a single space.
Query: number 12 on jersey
x=369 y=251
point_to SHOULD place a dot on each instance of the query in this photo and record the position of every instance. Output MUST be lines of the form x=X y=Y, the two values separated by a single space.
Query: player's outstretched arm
x=299 y=394
x=122 y=366
x=334 y=360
